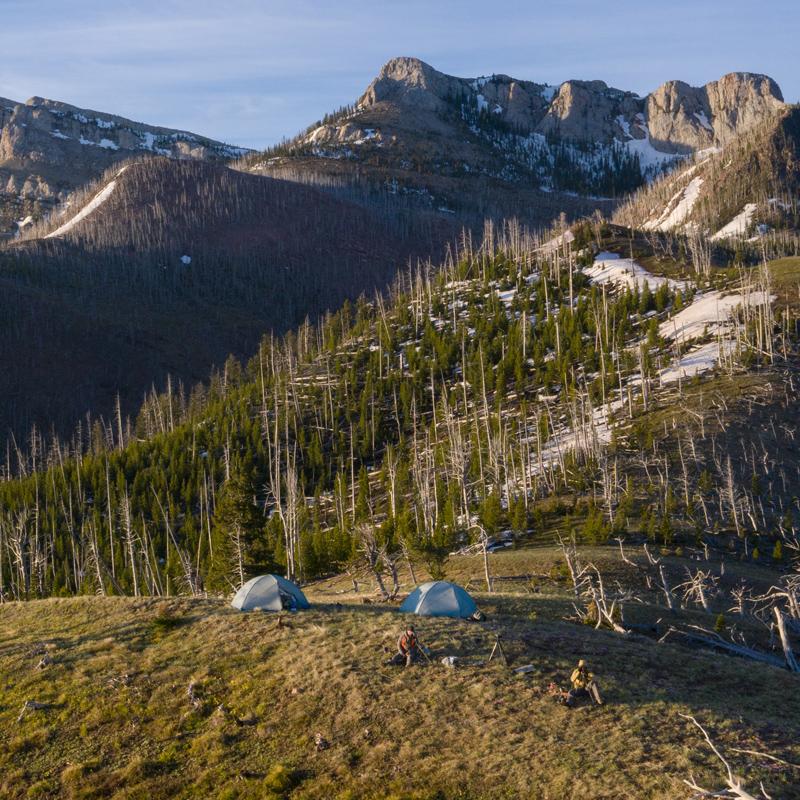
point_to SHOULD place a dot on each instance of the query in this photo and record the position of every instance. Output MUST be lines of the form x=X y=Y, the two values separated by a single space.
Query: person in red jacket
x=408 y=646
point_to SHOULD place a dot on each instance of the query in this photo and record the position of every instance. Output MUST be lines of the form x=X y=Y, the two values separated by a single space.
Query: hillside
x=48 y=149
x=171 y=265
x=501 y=147
x=189 y=698
x=747 y=190
x=166 y=267
x=523 y=386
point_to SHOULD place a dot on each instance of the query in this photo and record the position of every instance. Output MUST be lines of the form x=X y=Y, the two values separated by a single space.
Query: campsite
x=181 y=697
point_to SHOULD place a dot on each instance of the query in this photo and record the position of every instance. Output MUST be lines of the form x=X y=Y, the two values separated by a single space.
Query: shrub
x=280 y=779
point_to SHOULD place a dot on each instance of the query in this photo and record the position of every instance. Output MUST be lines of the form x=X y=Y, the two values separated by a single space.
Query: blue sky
x=252 y=72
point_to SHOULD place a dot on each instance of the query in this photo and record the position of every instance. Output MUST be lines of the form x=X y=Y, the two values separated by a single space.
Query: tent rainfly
x=439 y=599
x=269 y=593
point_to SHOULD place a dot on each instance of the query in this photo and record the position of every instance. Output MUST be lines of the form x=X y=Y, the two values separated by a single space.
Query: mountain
x=168 y=236
x=748 y=189
x=48 y=149
x=507 y=147
x=165 y=267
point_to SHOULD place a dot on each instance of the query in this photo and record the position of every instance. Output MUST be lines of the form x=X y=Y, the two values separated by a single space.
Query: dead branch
x=31 y=705
x=734 y=784
x=699 y=587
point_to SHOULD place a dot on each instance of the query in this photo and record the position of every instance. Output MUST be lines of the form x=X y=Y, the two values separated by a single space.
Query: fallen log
x=719 y=643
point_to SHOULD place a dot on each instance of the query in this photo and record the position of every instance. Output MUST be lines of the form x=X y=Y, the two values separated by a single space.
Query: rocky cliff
x=676 y=115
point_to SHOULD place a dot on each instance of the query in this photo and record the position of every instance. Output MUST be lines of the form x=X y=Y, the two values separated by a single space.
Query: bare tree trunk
x=791 y=661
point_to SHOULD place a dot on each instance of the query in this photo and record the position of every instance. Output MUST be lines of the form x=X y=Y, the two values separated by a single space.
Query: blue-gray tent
x=269 y=593
x=439 y=599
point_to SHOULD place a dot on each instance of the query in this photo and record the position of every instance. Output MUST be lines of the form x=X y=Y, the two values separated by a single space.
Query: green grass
x=120 y=723
x=785 y=273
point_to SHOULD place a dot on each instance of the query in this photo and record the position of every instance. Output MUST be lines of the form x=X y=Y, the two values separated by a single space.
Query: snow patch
x=106 y=144
x=611 y=268
x=738 y=225
x=697 y=361
x=95 y=203
x=59 y=135
x=686 y=198
x=708 y=313
x=559 y=241
x=649 y=157
x=149 y=143
x=701 y=117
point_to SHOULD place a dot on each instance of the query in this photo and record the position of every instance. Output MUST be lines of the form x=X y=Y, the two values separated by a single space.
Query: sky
x=251 y=73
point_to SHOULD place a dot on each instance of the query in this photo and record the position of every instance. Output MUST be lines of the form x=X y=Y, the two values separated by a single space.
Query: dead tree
x=699 y=588
x=791 y=661
x=484 y=544
x=588 y=585
x=371 y=554
x=734 y=788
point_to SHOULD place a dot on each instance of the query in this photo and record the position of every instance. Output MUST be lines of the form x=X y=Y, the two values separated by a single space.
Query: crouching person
x=408 y=647
x=583 y=685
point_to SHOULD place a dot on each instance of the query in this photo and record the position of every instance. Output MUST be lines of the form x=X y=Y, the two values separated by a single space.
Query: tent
x=439 y=599
x=269 y=593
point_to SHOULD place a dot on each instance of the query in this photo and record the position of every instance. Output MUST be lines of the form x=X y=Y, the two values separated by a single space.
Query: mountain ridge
x=499 y=146
x=48 y=149
x=546 y=109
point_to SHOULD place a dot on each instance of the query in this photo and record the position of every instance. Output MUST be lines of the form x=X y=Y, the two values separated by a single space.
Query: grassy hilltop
x=122 y=721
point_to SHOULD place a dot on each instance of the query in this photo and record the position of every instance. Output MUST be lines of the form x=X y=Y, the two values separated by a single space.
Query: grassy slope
x=121 y=724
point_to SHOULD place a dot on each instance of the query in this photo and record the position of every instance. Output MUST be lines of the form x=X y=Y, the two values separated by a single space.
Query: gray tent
x=269 y=593
x=439 y=599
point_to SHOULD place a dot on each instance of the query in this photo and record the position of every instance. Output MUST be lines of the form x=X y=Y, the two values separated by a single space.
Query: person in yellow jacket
x=583 y=684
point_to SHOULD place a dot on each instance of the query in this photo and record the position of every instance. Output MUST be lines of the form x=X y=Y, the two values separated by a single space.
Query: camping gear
x=269 y=593
x=439 y=599
x=498 y=649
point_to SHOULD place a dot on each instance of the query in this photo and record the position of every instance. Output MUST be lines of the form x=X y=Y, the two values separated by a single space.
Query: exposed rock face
x=739 y=100
x=684 y=118
x=588 y=110
x=677 y=117
x=410 y=82
x=48 y=149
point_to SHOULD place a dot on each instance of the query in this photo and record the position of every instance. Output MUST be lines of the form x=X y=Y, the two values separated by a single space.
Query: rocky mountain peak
x=684 y=118
x=409 y=82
